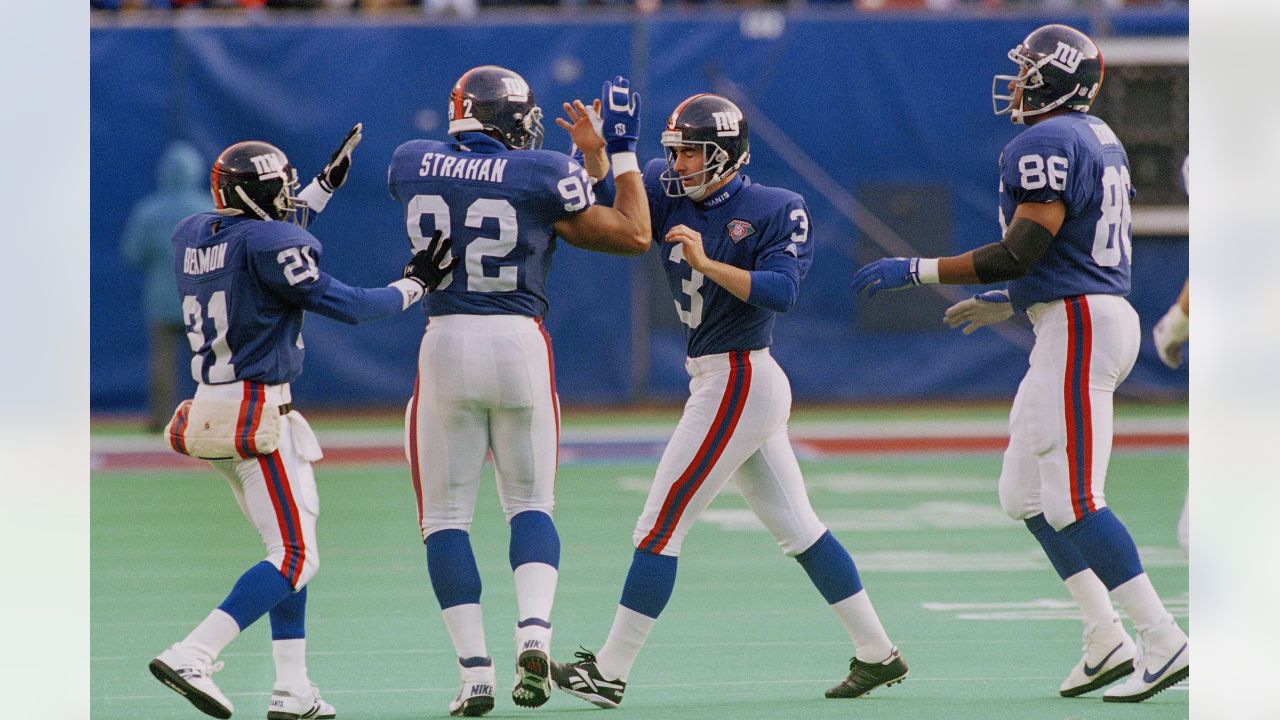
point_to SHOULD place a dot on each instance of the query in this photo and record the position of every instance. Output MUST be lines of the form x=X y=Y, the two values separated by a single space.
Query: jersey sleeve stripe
x=277 y=481
x=722 y=428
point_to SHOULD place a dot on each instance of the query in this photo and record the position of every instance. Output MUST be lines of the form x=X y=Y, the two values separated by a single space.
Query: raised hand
x=620 y=111
x=583 y=126
x=335 y=172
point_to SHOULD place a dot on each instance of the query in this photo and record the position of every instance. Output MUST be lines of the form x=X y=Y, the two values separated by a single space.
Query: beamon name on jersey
x=198 y=261
x=489 y=169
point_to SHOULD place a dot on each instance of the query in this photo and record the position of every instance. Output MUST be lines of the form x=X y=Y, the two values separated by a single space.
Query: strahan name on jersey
x=1077 y=159
x=498 y=206
x=754 y=227
x=244 y=284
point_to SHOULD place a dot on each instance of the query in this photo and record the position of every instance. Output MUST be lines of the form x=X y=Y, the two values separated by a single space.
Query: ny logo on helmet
x=1066 y=57
x=517 y=89
x=268 y=166
x=726 y=123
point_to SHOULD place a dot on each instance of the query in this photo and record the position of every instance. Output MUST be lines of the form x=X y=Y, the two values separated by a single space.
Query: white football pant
x=1060 y=427
x=486 y=383
x=277 y=492
x=735 y=421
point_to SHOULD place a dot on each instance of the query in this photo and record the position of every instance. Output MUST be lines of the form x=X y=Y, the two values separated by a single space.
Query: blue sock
x=831 y=569
x=1064 y=555
x=650 y=581
x=289 y=617
x=534 y=539
x=452 y=567
x=1106 y=545
x=259 y=589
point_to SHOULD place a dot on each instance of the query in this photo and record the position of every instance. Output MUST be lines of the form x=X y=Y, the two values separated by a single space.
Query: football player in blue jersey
x=734 y=253
x=1065 y=252
x=245 y=276
x=486 y=378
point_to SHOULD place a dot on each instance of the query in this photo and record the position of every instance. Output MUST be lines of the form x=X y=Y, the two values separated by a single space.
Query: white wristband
x=624 y=162
x=315 y=196
x=928 y=270
x=411 y=290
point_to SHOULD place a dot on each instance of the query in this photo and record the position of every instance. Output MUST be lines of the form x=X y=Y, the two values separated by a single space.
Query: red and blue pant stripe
x=277 y=481
x=713 y=445
x=1079 y=416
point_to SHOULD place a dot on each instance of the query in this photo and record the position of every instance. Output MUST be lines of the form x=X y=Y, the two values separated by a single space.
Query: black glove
x=431 y=266
x=335 y=173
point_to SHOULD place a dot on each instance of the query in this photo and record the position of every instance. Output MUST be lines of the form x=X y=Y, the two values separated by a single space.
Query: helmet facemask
x=715 y=166
x=533 y=133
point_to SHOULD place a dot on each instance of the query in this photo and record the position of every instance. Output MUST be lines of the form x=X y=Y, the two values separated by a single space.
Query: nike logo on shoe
x=1094 y=670
x=1147 y=677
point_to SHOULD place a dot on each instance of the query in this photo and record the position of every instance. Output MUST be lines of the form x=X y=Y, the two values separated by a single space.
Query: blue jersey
x=498 y=206
x=1077 y=159
x=244 y=284
x=754 y=227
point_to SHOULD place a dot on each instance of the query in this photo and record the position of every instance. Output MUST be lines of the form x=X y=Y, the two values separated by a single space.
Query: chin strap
x=252 y=205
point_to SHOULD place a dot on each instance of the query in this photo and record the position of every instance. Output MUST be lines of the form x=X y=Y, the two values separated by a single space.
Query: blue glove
x=887 y=274
x=620 y=110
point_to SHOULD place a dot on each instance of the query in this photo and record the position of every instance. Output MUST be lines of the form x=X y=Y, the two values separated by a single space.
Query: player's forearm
x=354 y=305
x=632 y=202
x=773 y=290
x=734 y=279
x=596 y=164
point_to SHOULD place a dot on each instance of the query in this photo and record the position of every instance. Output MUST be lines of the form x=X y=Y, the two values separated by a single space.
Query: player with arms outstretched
x=734 y=253
x=246 y=274
x=1064 y=213
x=486 y=379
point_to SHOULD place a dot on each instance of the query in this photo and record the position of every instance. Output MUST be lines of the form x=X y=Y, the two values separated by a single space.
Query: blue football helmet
x=498 y=102
x=1058 y=66
x=255 y=179
x=715 y=124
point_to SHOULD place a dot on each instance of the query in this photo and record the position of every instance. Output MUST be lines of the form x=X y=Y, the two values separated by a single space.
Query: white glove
x=988 y=308
x=1170 y=335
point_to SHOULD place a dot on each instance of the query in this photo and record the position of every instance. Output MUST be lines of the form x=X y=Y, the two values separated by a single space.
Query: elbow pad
x=1011 y=258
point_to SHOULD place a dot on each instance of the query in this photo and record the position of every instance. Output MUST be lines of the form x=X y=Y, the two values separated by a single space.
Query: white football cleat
x=286 y=705
x=190 y=674
x=1164 y=662
x=533 y=665
x=475 y=697
x=1108 y=656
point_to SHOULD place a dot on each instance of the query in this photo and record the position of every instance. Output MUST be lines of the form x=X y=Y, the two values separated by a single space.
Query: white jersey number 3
x=692 y=288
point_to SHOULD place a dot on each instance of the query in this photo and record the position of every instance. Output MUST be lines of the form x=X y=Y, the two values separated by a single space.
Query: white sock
x=870 y=642
x=1092 y=597
x=1140 y=601
x=466 y=629
x=535 y=590
x=291 y=664
x=626 y=637
x=213 y=634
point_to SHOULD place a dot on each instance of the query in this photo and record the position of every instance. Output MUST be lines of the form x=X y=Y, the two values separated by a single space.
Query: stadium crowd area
x=463 y=6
